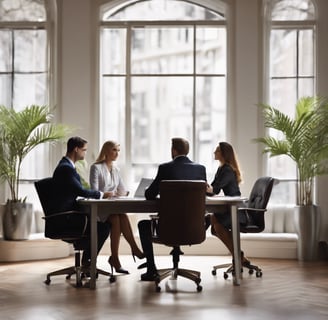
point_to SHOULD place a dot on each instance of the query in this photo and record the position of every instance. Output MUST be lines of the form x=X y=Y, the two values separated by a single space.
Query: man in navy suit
x=68 y=187
x=180 y=168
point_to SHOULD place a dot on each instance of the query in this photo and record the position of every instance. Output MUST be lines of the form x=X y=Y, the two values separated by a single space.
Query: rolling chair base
x=81 y=272
x=251 y=269
x=174 y=273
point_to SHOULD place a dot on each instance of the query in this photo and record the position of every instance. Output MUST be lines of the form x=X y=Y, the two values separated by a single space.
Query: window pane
x=30 y=50
x=281 y=167
x=30 y=89
x=283 y=53
x=159 y=50
x=113 y=50
x=306 y=87
x=306 y=64
x=22 y=10
x=283 y=95
x=5 y=90
x=112 y=113
x=211 y=50
x=5 y=51
x=284 y=193
x=210 y=118
x=161 y=109
x=163 y=10
x=293 y=10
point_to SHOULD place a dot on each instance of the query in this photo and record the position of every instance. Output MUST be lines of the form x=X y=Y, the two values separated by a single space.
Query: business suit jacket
x=68 y=186
x=181 y=168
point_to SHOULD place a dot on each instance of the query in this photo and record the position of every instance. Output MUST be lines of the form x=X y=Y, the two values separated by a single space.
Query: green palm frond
x=20 y=132
x=304 y=139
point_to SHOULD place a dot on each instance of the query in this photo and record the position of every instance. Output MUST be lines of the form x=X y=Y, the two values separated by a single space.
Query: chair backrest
x=46 y=191
x=181 y=212
x=259 y=198
x=68 y=226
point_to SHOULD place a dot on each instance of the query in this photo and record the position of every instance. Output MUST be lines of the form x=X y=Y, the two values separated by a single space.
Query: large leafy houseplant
x=304 y=139
x=20 y=132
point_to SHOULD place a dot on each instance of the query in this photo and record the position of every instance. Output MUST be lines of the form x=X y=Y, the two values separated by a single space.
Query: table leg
x=236 y=245
x=94 y=245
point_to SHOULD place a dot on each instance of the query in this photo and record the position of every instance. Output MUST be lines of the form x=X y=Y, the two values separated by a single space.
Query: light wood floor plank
x=288 y=290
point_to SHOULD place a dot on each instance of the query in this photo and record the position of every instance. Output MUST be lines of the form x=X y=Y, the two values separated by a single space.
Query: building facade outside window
x=162 y=74
x=291 y=75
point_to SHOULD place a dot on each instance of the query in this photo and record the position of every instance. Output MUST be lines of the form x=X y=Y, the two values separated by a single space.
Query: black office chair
x=180 y=221
x=68 y=226
x=254 y=212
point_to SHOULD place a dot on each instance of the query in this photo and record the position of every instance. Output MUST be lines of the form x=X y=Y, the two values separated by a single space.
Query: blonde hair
x=230 y=158
x=108 y=145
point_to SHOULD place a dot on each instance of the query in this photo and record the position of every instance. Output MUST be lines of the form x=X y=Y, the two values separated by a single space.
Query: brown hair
x=108 y=145
x=180 y=145
x=230 y=158
x=75 y=142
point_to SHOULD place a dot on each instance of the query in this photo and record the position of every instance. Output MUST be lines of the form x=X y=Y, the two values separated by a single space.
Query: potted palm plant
x=305 y=140
x=20 y=132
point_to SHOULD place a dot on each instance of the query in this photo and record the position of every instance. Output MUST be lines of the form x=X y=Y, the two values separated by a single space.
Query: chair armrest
x=252 y=209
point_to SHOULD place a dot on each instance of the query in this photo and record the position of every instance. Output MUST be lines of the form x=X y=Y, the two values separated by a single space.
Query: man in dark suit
x=68 y=187
x=180 y=168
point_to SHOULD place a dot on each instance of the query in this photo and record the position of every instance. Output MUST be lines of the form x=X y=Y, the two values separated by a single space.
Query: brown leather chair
x=68 y=226
x=180 y=222
x=254 y=213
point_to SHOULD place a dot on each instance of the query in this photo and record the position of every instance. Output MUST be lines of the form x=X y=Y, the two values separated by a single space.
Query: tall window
x=291 y=74
x=163 y=74
x=24 y=67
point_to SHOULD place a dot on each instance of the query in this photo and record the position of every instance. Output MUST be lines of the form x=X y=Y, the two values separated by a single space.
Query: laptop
x=143 y=185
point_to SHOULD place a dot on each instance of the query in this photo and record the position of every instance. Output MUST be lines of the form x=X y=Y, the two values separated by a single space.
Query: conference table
x=119 y=205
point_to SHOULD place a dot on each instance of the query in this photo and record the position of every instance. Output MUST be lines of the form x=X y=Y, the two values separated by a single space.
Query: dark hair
x=180 y=145
x=74 y=142
x=230 y=158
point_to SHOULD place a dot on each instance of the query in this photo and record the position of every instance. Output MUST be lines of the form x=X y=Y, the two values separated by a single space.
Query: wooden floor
x=288 y=290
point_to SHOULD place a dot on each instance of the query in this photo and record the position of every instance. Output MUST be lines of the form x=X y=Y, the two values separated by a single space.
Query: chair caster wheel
x=214 y=272
x=258 y=274
x=199 y=288
x=251 y=271
x=225 y=276
x=47 y=282
x=112 y=279
x=68 y=277
x=158 y=289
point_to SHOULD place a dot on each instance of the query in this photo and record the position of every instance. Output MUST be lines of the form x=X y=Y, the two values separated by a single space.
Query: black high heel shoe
x=118 y=270
x=140 y=255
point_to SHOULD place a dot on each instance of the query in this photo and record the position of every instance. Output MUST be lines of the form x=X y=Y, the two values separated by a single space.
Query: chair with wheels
x=255 y=223
x=180 y=221
x=68 y=226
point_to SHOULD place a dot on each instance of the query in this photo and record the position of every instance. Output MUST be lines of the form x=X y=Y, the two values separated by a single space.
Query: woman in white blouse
x=105 y=177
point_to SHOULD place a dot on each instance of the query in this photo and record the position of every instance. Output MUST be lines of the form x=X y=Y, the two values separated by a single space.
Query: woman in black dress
x=227 y=179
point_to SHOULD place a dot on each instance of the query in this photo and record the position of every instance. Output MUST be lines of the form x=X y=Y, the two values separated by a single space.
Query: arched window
x=291 y=73
x=25 y=62
x=162 y=74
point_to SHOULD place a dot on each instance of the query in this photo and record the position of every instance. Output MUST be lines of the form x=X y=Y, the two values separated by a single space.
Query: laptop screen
x=143 y=185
